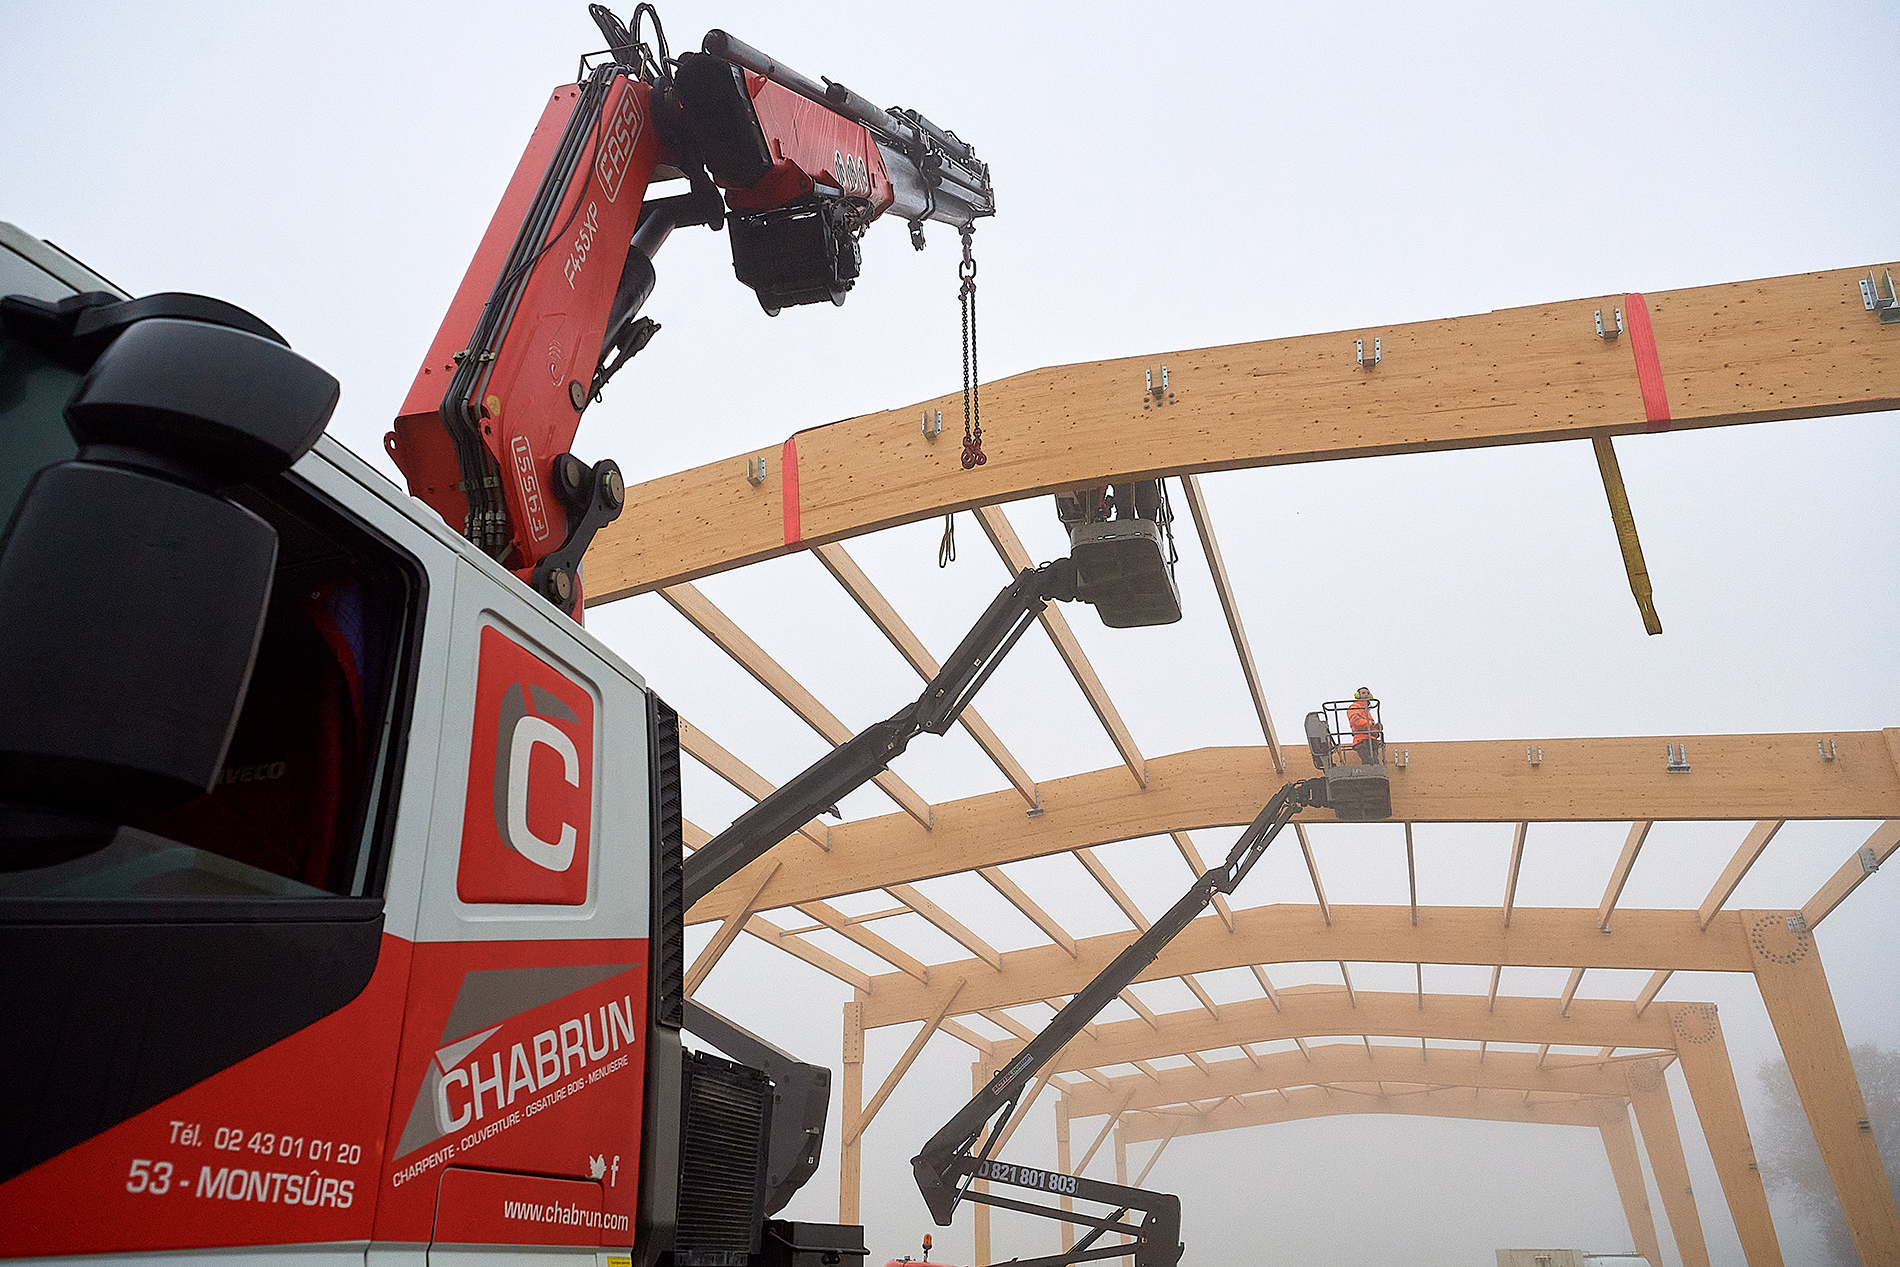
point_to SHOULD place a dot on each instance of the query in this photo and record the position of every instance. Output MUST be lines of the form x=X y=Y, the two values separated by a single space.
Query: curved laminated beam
x=1347 y=1062
x=1323 y=1011
x=1514 y=376
x=1589 y=780
x=1301 y=1103
x=1357 y=934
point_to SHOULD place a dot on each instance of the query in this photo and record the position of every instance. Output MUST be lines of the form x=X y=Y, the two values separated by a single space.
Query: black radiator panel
x=726 y=1124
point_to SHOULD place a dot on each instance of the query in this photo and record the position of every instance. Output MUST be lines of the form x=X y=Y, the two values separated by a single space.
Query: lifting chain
x=972 y=404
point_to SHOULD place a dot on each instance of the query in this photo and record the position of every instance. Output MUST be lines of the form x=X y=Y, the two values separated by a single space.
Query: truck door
x=516 y=1120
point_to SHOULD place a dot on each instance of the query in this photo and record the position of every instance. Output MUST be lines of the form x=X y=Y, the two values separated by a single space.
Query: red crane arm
x=548 y=308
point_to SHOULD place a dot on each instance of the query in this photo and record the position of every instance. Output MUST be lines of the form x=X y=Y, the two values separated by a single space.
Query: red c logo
x=528 y=821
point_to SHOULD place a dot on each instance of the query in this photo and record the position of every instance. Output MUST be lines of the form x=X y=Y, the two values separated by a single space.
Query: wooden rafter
x=1543 y=376
x=1517 y=866
x=848 y=574
x=1731 y=878
x=1230 y=608
x=1016 y=558
x=1879 y=847
x=751 y=657
x=1312 y=869
x=702 y=748
x=1651 y=988
x=1359 y=934
x=1308 y=1013
x=1027 y=905
x=1619 y=876
x=1192 y=856
x=1760 y=776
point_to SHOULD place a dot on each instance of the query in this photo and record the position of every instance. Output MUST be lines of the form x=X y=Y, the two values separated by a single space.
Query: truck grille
x=725 y=1128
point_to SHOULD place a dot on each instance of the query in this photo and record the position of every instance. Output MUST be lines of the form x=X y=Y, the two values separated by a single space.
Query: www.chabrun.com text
x=566 y=1215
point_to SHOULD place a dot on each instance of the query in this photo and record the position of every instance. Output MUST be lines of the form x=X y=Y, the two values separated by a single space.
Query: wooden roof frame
x=1543 y=376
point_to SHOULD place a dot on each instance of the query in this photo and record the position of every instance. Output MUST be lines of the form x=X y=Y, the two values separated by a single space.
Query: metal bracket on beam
x=1797 y=923
x=933 y=427
x=1534 y=755
x=755 y=469
x=1678 y=757
x=1155 y=397
x=1359 y=353
x=1609 y=336
x=1887 y=305
x=1827 y=748
x=1869 y=860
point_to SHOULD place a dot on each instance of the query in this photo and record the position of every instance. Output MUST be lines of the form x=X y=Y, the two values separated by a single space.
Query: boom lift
x=951 y=1162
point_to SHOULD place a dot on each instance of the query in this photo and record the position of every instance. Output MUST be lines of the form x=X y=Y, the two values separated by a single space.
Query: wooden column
x=1062 y=1164
x=1121 y=1177
x=1794 y=986
x=1620 y=1143
x=1656 y=1115
x=979 y=1078
x=851 y=1113
x=1718 y=1106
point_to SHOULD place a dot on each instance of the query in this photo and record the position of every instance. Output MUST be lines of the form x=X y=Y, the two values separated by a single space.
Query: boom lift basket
x=1124 y=565
x=1358 y=784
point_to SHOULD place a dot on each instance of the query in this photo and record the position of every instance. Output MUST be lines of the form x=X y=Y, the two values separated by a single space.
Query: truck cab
x=405 y=983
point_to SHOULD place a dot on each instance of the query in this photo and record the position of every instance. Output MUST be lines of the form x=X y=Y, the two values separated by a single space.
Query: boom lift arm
x=854 y=763
x=945 y=1166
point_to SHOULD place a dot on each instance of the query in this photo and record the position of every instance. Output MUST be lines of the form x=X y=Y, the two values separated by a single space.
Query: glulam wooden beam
x=1344 y=1062
x=1620 y=874
x=1324 y=1012
x=845 y=570
x=1754 y=351
x=1230 y=608
x=1866 y=860
x=1008 y=545
x=1580 y=780
x=751 y=657
x=1537 y=937
x=1303 y=1103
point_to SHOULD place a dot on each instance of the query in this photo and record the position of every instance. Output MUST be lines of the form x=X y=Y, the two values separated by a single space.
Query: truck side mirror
x=132 y=595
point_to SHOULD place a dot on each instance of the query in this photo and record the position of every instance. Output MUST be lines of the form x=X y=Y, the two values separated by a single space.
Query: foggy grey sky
x=1169 y=176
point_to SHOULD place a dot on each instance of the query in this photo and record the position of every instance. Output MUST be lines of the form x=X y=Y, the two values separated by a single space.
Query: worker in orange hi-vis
x=1367 y=733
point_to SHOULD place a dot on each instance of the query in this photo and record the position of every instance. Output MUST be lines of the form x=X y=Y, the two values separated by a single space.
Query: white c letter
x=529 y=731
